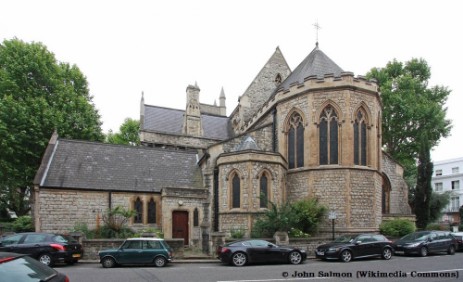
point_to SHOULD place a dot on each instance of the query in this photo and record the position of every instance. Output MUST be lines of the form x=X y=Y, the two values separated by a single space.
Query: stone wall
x=184 y=199
x=399 y=193
x=354 y=194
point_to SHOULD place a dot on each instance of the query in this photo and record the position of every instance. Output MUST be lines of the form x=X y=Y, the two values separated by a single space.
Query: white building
x=448 y=176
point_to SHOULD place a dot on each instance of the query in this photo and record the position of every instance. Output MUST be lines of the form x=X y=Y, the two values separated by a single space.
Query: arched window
x=236 y=191
x=360 y=138
x=328 y=136
x=152 y=211
x=139 y=211
x=295 y=141
x=278 y=79
x=263 y=191
x=386 y=196
x=196 y=217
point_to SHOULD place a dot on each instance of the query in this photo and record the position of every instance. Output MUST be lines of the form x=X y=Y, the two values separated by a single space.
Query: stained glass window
x=328 y=136
x=360 y=138
x=296 y=141
x=236 y=194
x=263 y=191
x=152 y=211
x=139 y=211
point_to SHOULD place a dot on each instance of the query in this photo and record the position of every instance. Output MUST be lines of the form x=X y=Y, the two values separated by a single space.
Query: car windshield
x=345 y=238
x=415 y=236
x=25 y=269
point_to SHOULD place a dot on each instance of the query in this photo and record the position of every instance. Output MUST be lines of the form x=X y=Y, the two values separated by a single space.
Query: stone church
x=311 y=132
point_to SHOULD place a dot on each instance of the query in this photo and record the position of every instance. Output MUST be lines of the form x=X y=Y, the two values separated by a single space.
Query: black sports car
x=243 y=252
x=348 y=247
x=48 y=248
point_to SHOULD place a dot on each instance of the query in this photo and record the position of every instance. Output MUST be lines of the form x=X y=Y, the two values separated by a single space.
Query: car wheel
x=108 y=262
x=160 y=261
x=295 y=257
x=451 y=250
x=387 y=254
x=46 y=259
x=423 y=251
x=239 y=259
x=346 y=256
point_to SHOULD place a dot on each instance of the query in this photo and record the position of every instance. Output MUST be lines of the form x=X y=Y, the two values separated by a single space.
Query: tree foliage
x=414 y=120
x=38 y=95
x=411 y=109
x=128 y=133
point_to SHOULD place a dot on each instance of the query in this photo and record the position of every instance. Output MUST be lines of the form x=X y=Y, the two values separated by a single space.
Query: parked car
x=243 y=252
x=138 y=251
x=48 y=248
x=459 y=238
x=21 y=267
x=424 y=242
x=354 y=246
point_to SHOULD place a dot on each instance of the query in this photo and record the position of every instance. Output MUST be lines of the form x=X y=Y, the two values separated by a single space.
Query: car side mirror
x=358 y=242
x=270 y=245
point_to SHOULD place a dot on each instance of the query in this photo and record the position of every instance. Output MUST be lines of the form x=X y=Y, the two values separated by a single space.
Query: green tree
x=414 y=120
x=423 y=191
x=410 y=110
x=437 y=205
x=128 y=133
x=38 y=95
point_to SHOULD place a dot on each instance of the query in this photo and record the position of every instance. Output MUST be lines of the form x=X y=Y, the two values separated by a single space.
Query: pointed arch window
x=328 y=136
x=139 y=211
x=236 y=191
x=295 y=141
x=152 y=211
x=196 y=217
x=263 y=191
x=278 y=79
x=360 y=138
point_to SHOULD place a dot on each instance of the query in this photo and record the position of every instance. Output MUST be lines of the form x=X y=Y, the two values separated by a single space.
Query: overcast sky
x=160 y=47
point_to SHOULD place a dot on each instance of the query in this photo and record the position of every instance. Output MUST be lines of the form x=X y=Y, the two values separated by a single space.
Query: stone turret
x=223 y=109
x=192 y=123
x=142 y=109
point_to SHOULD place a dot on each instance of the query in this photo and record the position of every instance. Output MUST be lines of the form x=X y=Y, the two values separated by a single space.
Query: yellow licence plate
x=76 y=255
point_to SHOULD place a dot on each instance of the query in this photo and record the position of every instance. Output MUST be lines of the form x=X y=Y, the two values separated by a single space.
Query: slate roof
x=170 y=121
x=98 y=166
x=315 y=64
x=248 y=143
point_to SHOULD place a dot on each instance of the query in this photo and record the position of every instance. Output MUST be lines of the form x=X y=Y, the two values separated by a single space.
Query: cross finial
x=317 y=28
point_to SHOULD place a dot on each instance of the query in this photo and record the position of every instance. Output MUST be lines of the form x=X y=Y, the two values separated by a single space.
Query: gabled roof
x=315 y=64
x=170 y=121
x=97 y=166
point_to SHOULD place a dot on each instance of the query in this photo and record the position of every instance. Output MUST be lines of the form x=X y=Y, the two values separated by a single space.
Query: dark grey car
x=425 y=242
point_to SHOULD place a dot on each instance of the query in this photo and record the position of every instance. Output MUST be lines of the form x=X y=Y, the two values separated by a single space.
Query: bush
x=237 y=233
x=23 y=224
x=397 y=227
x=303 y=217
x=437 y=226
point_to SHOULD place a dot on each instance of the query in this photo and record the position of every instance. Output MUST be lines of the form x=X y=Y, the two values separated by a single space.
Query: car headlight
x=413 y=245
x=333 y=249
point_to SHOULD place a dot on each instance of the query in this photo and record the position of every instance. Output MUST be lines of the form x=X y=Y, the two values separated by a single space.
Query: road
x=401 y=269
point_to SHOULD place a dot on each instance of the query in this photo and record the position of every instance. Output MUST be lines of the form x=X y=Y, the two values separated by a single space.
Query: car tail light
x=2 y=260
x=224 y=250
x=57 y=247
x=66 y=279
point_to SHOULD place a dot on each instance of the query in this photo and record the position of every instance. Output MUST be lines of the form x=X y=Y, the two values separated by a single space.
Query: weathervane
x=317 y=28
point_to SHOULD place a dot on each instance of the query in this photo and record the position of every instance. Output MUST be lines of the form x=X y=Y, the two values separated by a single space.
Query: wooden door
x=180 y=225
